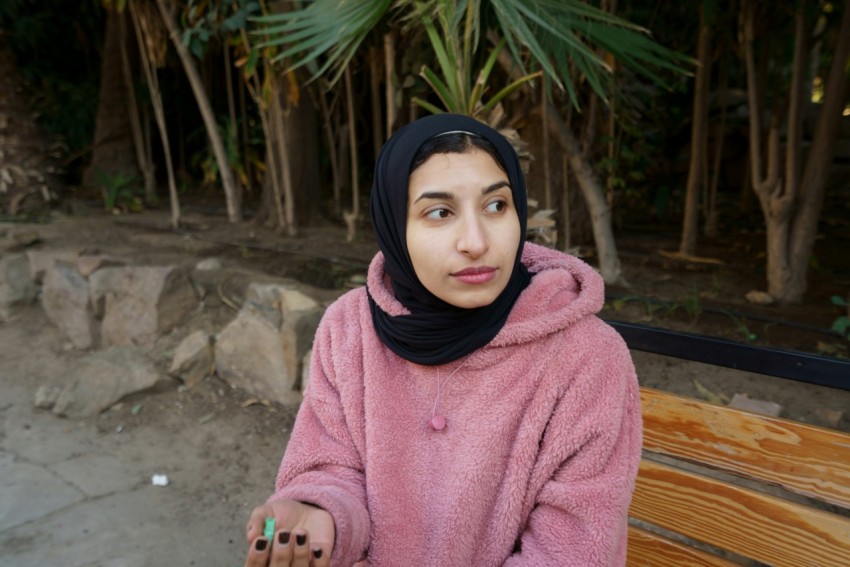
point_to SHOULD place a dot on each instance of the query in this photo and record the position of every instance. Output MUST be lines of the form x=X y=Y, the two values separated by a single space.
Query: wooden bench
x=721 y=486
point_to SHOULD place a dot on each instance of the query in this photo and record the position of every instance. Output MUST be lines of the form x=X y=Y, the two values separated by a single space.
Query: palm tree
x=564 y=39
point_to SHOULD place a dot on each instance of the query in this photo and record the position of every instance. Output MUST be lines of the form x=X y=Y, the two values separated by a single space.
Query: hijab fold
x=435 y=332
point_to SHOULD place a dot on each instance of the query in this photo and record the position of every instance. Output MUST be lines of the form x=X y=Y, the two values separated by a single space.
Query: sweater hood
x=563 y=290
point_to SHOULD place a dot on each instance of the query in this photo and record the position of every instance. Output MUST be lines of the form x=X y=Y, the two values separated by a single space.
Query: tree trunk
x=594 y=196
x=588 y=182
x=144 y=158
x=149 y=66
x=792 y=205
x=712 y=214
x=375 y=95
x=820 y=156
x=113 y=152
x=351 y=217
x=696 y=169
x=234 y=213
x=390 y=77
x=278 y=116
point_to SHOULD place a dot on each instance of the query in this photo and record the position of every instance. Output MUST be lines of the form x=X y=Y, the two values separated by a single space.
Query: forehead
x=450 y=169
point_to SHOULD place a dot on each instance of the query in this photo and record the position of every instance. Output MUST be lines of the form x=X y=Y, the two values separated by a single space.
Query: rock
x=830 y=417
x=760 y=298
x=296 y=313
x=17 y=239
x=102 y=379
x=102 y=282
x=141 y=303
x=16 y=285
x=65 y=299
x=249 y=355
x=306 y=365
x=87 y=265
x=209 y=264
x=41 y=260
x=743 y=402
x=46 y=396
x=193 y=360
x=301 y=316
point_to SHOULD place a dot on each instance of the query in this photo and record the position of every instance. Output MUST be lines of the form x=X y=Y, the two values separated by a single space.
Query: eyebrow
x=446 y=196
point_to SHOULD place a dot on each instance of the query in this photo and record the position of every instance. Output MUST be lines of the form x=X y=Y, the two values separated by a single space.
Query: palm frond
x=330 y=29
x=558 y=34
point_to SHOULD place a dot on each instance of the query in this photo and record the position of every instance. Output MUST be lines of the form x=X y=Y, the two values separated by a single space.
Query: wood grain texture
x=647 y=549
x=745 y=522
x=811 y=461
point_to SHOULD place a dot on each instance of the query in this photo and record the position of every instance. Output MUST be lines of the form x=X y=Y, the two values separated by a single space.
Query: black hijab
x=435 y=332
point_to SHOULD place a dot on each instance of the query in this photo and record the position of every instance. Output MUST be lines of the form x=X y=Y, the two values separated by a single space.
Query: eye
x=438 y=214
x=496 y=206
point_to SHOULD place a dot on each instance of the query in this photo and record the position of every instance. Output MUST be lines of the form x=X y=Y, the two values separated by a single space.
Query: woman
x=467 y=407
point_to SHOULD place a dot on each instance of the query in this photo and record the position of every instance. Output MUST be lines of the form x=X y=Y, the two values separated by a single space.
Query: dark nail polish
x=301 y=539
x=261 y=544
x=283 y=538
x=317 y=553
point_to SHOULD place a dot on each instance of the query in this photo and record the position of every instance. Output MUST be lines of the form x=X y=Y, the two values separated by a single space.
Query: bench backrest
x=719 y=485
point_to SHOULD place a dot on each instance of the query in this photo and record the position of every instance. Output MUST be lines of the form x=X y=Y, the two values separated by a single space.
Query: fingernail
x=301 y=539
x=283 y=538
x=317 y=553
x=261 y=544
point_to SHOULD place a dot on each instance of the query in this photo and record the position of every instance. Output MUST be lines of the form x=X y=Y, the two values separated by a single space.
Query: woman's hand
x=304 y=536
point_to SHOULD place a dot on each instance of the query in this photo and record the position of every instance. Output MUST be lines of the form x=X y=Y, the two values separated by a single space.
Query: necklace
x=438 y=421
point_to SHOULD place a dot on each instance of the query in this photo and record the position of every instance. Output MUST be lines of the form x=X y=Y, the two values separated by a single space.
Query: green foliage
x=205 y=160
x=842 y=323
x=331 y=28
x=203 y=22
x=58 y=56
x=121 y=192
x=742 y=328
x=454 y=54
x=564 y=38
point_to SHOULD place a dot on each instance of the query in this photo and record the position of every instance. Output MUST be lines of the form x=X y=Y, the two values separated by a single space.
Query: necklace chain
x=438 y=422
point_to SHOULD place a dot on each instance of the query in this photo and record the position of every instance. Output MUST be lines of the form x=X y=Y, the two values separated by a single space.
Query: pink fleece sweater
x=536 y=465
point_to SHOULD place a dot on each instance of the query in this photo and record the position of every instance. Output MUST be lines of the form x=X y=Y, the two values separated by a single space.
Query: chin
x=471 y=302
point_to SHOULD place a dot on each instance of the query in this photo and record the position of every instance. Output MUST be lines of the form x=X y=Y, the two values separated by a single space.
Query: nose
x=472 y=238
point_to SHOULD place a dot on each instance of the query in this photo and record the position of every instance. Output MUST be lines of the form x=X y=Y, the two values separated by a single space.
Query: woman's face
x=462 y=227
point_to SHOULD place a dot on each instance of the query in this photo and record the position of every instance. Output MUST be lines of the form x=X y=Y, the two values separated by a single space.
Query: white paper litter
x=159 y=480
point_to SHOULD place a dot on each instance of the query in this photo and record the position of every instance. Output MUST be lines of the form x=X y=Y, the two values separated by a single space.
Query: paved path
x=79 y=493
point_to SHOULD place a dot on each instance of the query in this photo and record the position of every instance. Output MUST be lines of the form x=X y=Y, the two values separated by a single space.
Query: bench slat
x=647 y=549
x=745 y=522
x=805 y=459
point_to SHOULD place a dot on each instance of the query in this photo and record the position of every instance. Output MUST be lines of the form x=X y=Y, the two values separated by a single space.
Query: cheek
x=420 y=254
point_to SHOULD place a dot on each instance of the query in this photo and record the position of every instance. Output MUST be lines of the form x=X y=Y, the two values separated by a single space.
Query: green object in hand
x=268 y=531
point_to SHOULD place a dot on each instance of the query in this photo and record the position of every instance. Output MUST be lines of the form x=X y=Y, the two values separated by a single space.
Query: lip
x=475 y=275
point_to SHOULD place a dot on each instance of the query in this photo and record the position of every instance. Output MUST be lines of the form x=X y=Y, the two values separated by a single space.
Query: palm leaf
x=324 y=28
x=497 y=98
x=427 y=105
x=447 y=96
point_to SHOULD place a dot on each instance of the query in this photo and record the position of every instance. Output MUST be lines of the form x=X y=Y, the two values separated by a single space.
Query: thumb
x=254 y=528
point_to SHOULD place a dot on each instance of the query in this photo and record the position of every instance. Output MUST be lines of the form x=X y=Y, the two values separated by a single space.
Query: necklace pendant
x=437 y=422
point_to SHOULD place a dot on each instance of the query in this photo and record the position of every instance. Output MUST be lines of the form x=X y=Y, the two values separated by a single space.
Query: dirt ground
x=96 y=504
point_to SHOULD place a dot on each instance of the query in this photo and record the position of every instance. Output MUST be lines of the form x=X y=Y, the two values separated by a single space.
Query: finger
x=254 y=527
x=281 y=555
x=320 y=556
x=258 y=553
x=301 y=553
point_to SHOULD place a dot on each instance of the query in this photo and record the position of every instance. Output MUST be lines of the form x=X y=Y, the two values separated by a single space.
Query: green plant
x=121 y=192
x=691 y=303
x=566 y=39
x=742 y=327
x=841 y=323
x=454 y=53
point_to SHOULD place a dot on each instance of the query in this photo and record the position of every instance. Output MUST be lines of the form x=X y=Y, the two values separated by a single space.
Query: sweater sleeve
x=321 y=465
x=587 y=464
